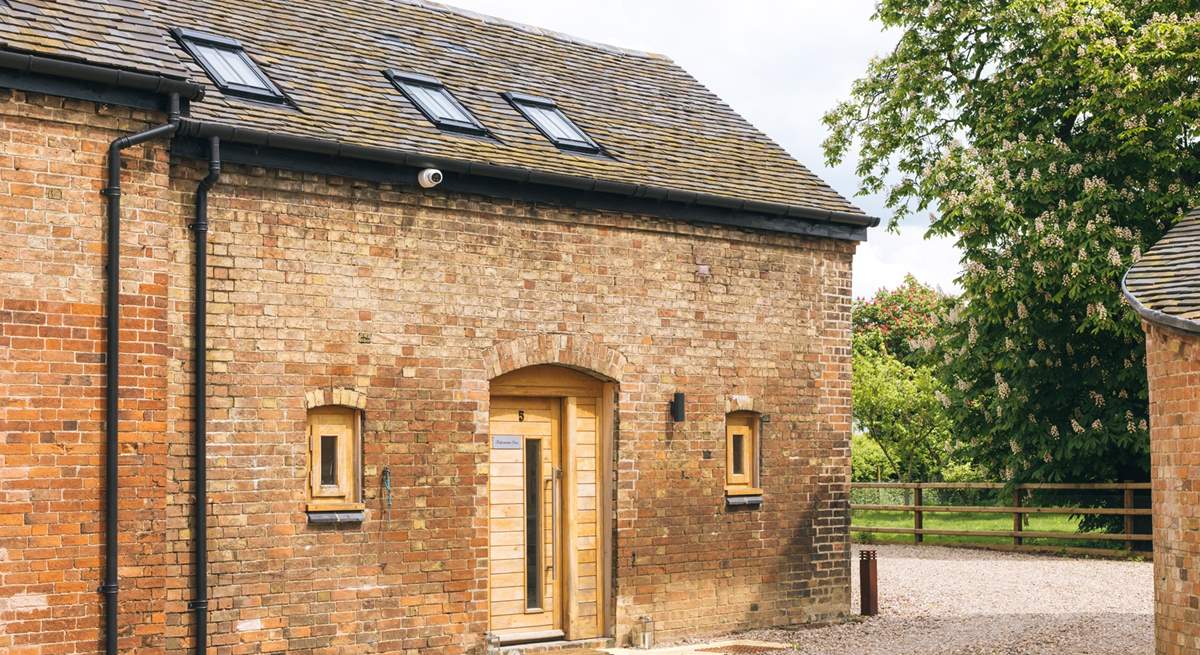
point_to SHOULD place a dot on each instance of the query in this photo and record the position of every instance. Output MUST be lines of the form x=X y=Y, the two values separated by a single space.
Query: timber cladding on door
x=550 y=441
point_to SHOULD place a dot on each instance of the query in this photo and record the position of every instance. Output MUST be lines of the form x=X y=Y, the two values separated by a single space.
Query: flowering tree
x=1056 y=140
x=899 y=404
x=899 y=319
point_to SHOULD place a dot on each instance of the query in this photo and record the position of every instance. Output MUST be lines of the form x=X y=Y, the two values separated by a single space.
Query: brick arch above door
x=563 y=349
x=335 y=396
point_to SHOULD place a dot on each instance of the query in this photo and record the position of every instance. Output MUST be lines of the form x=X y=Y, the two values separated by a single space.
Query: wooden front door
x=549 y=443
x=526 y=518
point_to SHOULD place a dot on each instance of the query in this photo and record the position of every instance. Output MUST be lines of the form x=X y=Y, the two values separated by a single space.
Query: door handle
x=555 y=478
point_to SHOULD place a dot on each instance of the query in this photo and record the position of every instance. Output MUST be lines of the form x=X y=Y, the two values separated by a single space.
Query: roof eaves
x=23 y=62
x=251 y=136
x=1154 y=315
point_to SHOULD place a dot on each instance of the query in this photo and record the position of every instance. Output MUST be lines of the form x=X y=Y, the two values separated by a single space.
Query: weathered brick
x=404 y=303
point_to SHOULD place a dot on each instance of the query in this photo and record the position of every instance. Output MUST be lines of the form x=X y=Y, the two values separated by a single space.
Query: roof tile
x=1166 y=280
x=661 y=126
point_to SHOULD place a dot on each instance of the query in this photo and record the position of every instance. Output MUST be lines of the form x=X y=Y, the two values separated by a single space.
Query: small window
x=741 y=454
x=433 y=100
x=334 y=451
x=534 y=535
x=227 y=64
x=550 y=121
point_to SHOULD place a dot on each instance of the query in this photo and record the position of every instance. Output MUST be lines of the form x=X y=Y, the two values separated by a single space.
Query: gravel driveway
x=948 y=601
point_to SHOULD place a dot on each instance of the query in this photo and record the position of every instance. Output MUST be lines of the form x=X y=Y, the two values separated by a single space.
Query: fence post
x=1017 y=541
x=918 y=515
x=1128 y=516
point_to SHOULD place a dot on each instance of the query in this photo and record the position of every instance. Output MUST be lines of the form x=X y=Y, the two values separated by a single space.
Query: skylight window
x=550 y=121
x=433 y=100
x=228 y=65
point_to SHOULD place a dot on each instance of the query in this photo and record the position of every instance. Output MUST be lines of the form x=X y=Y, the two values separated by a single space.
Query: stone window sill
x=327 y=517
x=743 y=498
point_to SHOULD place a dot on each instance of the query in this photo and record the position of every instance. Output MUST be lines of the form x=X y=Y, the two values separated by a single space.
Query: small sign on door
x=506 y=442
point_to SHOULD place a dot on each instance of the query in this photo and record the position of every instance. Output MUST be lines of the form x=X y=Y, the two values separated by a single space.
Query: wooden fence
x=1017 y=509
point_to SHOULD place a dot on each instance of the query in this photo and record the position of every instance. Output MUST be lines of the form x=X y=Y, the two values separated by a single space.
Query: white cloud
x=780 y=63
x=886 y=257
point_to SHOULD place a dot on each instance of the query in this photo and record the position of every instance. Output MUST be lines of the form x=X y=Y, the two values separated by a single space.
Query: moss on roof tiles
x=91 y=31
x=662 y=127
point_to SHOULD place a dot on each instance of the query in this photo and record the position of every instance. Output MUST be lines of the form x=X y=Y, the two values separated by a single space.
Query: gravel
x=955 y=601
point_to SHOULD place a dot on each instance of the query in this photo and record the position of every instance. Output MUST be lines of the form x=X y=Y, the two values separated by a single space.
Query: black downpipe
x=112 y=356
x=199 y=604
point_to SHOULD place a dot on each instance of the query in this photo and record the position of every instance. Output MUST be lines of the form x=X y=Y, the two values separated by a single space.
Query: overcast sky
x=781 y=64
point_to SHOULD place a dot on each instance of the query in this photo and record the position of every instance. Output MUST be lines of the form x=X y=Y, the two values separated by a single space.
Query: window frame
x=522 y=101
x=405 y=81
x=747 y=425
x=190 y=39
x=347 y=427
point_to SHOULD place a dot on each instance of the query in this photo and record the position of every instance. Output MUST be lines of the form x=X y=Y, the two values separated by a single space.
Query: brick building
x=432 y=330
x=1164 y=287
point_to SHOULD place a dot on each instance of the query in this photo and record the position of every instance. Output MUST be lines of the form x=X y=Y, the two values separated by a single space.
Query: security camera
x=429 y=178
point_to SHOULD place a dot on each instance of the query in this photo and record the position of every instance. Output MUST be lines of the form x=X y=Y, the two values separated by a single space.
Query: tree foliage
x=869 y=464
x=898 y=407
x=898 y=402
x=896 y=319
x=1055 y=140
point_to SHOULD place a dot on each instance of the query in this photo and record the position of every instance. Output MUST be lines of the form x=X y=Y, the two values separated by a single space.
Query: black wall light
x=677 y=407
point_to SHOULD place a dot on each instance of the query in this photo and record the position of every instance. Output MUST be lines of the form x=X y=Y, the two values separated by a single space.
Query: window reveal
x=334 y=459
x=741 y=454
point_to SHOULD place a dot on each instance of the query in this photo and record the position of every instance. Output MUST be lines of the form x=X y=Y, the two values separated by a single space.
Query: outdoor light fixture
x=646 y=636
x=677 y=407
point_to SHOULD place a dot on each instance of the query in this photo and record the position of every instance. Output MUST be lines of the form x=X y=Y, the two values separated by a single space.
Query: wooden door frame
x=603 y=392
x=605 y=490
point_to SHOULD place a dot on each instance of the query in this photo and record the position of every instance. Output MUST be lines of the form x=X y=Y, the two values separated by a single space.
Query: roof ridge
x=532 y=29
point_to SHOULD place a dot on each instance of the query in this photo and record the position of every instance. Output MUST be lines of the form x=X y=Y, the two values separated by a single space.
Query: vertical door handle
x=555 y=478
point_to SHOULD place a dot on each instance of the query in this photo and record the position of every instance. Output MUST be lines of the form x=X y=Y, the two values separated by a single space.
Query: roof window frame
x=270 y=92
x=521 y=102
x=404 y=81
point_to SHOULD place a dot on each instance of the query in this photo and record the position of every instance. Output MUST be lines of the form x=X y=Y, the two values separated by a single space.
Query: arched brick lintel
x=563 y=349
x=335 y=396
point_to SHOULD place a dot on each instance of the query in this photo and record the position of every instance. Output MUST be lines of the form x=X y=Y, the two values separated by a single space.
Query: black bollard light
x=868 y=578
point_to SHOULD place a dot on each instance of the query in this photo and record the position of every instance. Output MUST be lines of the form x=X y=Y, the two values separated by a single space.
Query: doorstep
x=560 y=647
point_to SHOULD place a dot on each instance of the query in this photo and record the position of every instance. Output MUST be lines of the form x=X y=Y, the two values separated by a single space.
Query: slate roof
x=117 y=33
x=1164 y=285
x=661 y=126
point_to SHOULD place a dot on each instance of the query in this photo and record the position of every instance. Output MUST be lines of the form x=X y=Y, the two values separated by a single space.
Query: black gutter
x=112 y=356
x=534 y=194
x=199 y=604
x=327 y=148
x=63 y=68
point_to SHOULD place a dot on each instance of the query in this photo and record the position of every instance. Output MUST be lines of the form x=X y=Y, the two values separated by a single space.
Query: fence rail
x=1017 y=508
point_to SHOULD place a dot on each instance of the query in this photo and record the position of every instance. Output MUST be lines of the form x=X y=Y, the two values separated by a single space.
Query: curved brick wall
x=1173 y=368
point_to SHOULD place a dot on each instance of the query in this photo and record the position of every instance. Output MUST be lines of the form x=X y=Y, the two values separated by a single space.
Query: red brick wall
x=406 y=297
x=52 y=157
x=1173 y=366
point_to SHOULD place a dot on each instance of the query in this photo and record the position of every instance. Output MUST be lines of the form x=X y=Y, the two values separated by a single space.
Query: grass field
x=948 y=521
